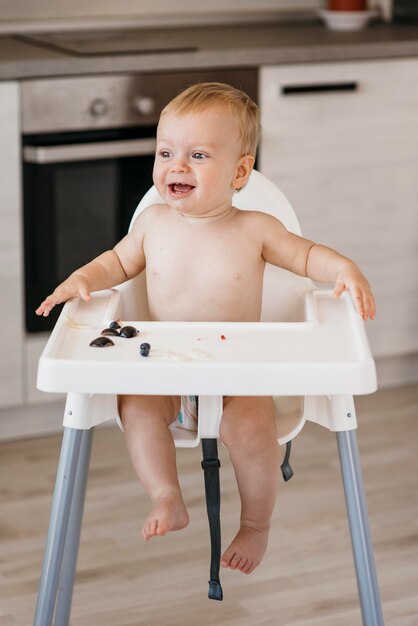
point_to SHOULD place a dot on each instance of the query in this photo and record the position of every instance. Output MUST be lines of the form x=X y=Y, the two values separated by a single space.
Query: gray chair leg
x=371 y=607
x=72 y=540
x=60 y=513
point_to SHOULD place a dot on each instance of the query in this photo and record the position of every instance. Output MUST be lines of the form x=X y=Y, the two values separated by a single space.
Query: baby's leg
x=145 y=421
x=248 y=429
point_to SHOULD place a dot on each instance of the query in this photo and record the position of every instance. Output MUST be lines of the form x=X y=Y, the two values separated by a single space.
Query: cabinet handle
x=89 y=151
x=296 y=90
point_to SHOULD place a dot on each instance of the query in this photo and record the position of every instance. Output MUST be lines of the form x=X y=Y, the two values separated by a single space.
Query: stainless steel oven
x=88 y=150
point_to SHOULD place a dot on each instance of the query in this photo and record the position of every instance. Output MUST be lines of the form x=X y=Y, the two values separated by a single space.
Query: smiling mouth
x=179 y=189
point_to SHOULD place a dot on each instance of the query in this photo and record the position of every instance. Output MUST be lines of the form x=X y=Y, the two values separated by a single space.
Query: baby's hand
x=75 y=285
x=351 y=279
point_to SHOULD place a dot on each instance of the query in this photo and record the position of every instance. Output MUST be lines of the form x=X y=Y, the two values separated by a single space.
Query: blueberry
x=144 y=349
x=114 y=324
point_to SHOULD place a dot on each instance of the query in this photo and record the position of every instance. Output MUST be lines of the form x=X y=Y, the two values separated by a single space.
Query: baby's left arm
x=306 y=258
x=327 y=265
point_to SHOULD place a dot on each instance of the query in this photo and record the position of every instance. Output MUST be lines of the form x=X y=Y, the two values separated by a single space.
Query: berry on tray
x=128 y=332
x=110 y=332
x=115 y=324
x=144 y=349
x=101 y=342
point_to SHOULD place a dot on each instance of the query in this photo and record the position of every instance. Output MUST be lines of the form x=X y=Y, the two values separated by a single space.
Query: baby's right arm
x=103 y=272
x=110 y=268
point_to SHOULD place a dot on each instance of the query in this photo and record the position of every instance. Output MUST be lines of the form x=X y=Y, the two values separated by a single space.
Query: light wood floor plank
x=307 y=577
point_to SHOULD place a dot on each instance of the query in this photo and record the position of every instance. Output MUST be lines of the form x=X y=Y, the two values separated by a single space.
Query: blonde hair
x=198 y=97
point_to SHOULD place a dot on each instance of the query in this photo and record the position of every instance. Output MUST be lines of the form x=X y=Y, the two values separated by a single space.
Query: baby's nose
x=179 y=165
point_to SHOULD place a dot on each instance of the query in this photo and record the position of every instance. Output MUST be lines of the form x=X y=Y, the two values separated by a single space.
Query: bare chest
x=204 y=274
x=219 y=259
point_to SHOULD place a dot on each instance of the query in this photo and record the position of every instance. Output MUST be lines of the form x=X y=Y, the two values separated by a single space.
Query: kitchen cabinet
x=11 y=284
x=341 y=141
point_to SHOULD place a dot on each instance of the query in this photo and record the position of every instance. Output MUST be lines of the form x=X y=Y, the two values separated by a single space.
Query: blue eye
x=165 y=154
x=199 y=156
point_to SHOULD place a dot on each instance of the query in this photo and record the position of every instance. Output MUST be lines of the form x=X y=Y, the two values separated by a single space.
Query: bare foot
x=169 y=513
x=246 y=550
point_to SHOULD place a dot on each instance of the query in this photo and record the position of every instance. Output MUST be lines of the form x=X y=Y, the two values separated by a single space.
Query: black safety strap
x=211 y=465
x=287 y=471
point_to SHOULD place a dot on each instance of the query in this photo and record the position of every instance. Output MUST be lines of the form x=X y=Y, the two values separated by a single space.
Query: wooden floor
x=307 y=577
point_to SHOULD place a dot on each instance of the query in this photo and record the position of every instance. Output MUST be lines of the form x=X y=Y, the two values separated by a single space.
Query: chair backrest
x=282 y=291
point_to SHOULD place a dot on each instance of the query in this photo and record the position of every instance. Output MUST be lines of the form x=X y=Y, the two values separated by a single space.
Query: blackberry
x=101 y=342
x=128 y=332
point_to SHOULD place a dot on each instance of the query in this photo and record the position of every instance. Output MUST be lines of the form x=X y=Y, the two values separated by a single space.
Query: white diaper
x=187 y=416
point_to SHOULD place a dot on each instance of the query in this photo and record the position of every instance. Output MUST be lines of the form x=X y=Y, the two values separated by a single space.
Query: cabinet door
x=341 y=141
x=11 y=285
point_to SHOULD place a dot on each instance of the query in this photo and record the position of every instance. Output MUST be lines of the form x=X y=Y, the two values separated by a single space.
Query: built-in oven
x=88 y=150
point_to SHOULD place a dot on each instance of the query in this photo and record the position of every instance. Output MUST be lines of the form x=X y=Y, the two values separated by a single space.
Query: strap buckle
x=211 y=464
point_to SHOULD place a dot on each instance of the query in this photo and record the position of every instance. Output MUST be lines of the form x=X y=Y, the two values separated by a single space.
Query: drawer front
x=340 y=140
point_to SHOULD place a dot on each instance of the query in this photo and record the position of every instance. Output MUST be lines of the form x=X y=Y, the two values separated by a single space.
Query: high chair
x=307 y=344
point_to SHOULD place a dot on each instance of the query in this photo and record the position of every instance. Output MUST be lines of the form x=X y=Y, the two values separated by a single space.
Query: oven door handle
x=89 y=151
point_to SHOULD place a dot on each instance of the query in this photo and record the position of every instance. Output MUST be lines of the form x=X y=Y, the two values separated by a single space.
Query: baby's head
x=204 y=96
x=206 y=144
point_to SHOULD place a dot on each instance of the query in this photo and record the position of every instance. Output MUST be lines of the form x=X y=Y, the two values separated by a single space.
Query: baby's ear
x=243 y=171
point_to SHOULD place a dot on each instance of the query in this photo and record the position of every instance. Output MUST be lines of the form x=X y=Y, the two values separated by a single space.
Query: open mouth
x=179 y=189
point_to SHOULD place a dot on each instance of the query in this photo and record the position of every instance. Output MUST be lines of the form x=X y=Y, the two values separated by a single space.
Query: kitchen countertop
x=220 y=46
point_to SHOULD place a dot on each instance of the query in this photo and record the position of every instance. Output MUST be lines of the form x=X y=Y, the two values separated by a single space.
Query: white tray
x=327 y=354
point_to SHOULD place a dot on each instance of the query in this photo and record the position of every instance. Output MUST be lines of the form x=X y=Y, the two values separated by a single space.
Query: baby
x=204 y=261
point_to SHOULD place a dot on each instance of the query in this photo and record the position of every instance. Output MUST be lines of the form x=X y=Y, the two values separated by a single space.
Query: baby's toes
x=161 y=528
x=149 y=530
x=250 y=567
x=235 y=561
x=226 y=559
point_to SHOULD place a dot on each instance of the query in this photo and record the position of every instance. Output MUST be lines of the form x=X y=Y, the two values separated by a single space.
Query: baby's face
x=198 y=163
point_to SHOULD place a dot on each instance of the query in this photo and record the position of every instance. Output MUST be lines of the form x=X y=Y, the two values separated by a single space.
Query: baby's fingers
x=369 y=306
x=373 y=308
x=59 y=295
x=338 y=289
x=357 y=295
x=364 y=303
x=85 y=294
x=46 y=306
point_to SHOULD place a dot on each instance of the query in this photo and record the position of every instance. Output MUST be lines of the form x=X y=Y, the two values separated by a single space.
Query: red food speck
x=223 y=337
